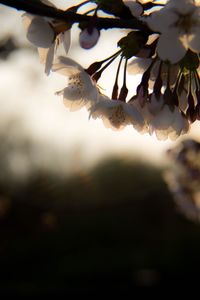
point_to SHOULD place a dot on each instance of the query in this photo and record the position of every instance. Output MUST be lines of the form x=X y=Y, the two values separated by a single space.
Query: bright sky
x=61 y=137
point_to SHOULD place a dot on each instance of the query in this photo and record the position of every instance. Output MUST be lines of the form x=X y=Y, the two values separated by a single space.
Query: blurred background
x=82 y=208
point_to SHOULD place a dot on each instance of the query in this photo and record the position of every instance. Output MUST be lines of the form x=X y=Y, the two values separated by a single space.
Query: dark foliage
x=114 y=229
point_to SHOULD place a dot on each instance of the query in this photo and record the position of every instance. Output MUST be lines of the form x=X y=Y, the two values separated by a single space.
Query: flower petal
x=46 y=57
x=139 y=65
x=80 y=88
x=169 y=47
x=39 y=31
x=194 y=39
x=111 y=112
x=66 y=66
x=65 y=38
x=164 y=119
x=162 y=20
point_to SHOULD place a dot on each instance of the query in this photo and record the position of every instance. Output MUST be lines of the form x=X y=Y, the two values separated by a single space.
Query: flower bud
x=89 y=37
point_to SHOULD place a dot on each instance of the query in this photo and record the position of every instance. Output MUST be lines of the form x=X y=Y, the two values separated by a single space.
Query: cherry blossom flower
x=140 y=65
x=39 y=31
x=80 y=90
x=116 y=114
x=47 y=35
x=47 y=54
x=169 y=123
x=178 y=23
x=167 y=98
x=160 y=118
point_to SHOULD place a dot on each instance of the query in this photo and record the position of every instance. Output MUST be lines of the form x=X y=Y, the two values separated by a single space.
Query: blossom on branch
x=179 y=25
x=47 y=35
x=116 y=114
x=162 y=44
x=166 y=121
x=80 y=91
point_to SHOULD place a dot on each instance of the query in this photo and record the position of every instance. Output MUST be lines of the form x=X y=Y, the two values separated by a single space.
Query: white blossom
x=47 y=54
x=179 y=27
x=139 y=65
x=168 y=123
x=47 y=35
x=117 y=114
x=39 y=31
x=161 y=119
x=80 y=90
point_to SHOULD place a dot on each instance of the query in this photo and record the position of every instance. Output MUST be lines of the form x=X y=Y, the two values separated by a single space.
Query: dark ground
x=114 y=228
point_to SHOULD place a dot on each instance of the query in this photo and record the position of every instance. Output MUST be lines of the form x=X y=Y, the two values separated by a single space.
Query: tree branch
x=38 y=8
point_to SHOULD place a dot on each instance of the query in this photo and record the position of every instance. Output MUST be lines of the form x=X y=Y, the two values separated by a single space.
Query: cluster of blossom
x=183 y=177
x=165 y=50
